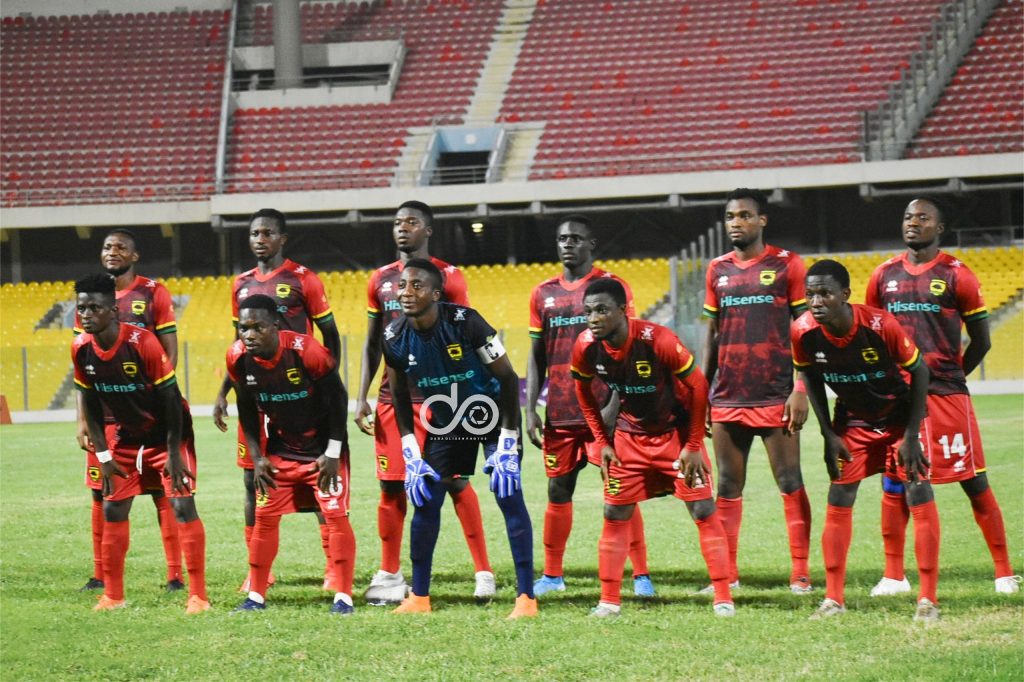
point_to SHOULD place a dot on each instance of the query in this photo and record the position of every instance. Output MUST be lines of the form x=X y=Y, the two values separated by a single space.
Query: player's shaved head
x=102 y=284
x=607 y=285
x=830 y=268
x=755 y=195
x=433 y=273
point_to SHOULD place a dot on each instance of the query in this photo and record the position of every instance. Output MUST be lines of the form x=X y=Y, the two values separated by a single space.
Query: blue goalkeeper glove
x=416 y=472
x=503 y=465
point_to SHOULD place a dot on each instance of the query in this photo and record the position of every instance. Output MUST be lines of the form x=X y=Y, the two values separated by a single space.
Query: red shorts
x=647 y=470
x=243 y=459
x=388 y=441
x=93 y=477
x=766 y=417
x=873 y=452
x=296 y=489
x=565 y=448
x=146 y=468
x=951 y=439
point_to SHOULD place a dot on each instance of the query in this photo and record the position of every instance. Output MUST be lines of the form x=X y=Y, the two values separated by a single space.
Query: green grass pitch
x=48 y=631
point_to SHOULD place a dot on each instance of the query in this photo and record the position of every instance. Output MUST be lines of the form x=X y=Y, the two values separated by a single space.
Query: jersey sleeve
x=797 y=328
x=899 y=343
x=671 y=352
x=969 y=300
x=871 y=297
x=233 y=358
x=580 y=368
x=373 y=304
x=316 y=359
x=536 y=322
x=315 y=298
x=163 y=311
x=456 y=291
x=82 y=382
x=796 y=287
x=710 y=295
x=157 y=364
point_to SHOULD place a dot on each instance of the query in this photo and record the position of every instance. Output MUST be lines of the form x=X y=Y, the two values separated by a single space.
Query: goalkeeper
x=472 y=396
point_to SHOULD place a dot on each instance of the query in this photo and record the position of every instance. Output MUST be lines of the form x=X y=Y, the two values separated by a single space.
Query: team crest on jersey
x=767 y=278
x=262 y=499
x=455 y=351
x=891 y=286
x=613 y=487
x=647 y=333
x=294 y=375
x=283 y=290
x=937 y=287
x=297 y=343
x=550 y=460
x=138 y=307
x=460 y=314
x=130 y=368
x=549 y=302
x=876 y=323
x=382 y=462
x=870 y=355
x=94 y=474
x=643 y=369
x=820 y=357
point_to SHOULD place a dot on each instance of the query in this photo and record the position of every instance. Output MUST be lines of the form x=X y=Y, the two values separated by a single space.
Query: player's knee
x=97 y=495
x=701 y=509
x=561 y=489
x=842 y=495
x=919 y=493
x=618 y=512
x=115 y=511
x=790 y=480
x=975 y=486
x=455 y=485
x=184 y=509
x=392 y=488
x=729 y=487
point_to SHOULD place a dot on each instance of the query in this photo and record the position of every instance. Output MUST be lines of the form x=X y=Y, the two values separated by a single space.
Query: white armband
x=104 y=456
x=490 y=351
x=333 y=450
x=410 y=448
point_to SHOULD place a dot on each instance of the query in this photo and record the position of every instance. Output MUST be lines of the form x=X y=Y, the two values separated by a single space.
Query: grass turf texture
x=50 y=632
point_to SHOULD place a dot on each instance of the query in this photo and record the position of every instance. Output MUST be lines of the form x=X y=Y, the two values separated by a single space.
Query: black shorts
x=454 y=455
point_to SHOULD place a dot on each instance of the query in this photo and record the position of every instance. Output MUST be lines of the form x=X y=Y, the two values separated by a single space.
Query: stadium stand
x=690 y=101
x=101 y=107
x=980 y=110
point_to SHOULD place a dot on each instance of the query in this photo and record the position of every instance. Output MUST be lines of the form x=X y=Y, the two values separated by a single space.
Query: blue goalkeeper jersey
x=448 y=363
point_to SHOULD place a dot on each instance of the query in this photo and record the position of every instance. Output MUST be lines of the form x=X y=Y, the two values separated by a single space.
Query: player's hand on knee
x=263 y=475
x=608 y=457
x=692 y=468
x=364 y=417
x=220 y=411
x=109 y=469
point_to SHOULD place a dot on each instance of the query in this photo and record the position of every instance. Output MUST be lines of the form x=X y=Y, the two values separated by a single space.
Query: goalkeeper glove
x=503 y=465
x=416 y=472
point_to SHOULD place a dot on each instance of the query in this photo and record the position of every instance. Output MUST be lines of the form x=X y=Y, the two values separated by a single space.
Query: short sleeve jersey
x=863 y=367
x=556 y=318
x=144 y=303
x=126 y=378
x=931 y=301
x=449 y=360
x=296 y=289
x=284 y=389
x=643 y=372
x=382 y=302
x=754 y=302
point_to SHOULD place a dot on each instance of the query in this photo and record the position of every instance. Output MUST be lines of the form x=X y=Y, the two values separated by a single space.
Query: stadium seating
x=729 y=84
x=357 y=146
x=980 y=110
x=1004 y=360
x=105 y=108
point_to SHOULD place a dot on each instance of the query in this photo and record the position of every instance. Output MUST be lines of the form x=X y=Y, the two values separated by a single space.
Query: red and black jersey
x=382 y=302
x=144 y=303
x=863 y=367
x=754 y=302
x=299 y=294
x=931 y=301
x=126 y=378
x=643 y=372
x=556 y=317
x=285 y=391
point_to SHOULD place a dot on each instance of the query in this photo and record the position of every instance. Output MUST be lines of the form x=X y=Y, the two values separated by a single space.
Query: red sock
x=611 y=559
x=467 y=508
x=731 y=512
x=990 y=520
x=835 y=545
x=926 y=548
x=714 y=545
x=97 y=538
x=390 y=524
x=262 y=551
x=638 y=543
x=325 y=545
x=193 y=543
x=115 y=548
x=248 y=535
x=798 y=524
x=895 y=516
x=557 y=527
x=169 y=534
x=342 y=546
